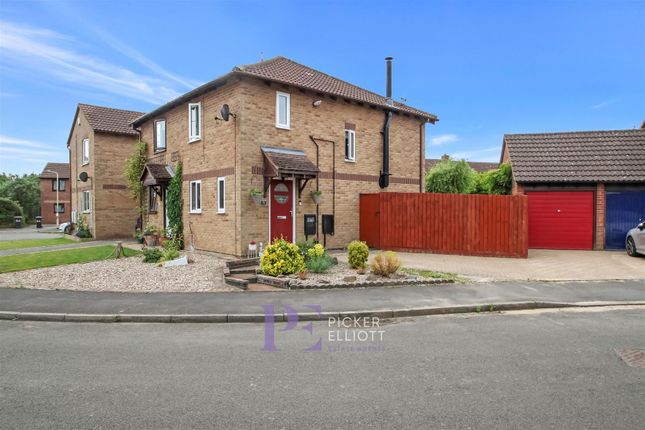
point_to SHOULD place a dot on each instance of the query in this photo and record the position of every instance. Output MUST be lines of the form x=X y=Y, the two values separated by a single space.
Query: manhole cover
x=632 y=357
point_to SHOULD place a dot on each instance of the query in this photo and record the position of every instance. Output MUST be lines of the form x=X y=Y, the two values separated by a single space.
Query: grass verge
x=14 y=263
x=433 y=275
x=32 y=243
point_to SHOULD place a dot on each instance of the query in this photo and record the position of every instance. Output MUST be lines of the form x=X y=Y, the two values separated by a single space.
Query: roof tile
x=61 y=168
x=110 y=120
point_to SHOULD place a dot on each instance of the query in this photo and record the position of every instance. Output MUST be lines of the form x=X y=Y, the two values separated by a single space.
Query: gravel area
x=341 y=273
x=127 y=275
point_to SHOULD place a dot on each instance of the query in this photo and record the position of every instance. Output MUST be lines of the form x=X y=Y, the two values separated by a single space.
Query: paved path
x=56 y=247
x=29 y=232
x=546 y=265
x=551 y=370
x=332 y=300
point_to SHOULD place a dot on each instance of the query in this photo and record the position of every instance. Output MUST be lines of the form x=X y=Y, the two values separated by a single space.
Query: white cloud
x=7 y=151
x=486 y=154
x=442 y=139
x=53 y=53
x=8 y=140
x=602 y=104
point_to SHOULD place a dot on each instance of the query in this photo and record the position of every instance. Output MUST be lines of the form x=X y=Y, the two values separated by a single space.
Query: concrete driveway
x=545 y=265
x=29 y=232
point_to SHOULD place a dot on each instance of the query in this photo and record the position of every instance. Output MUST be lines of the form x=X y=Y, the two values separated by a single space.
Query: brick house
x=99 y=143
x=49 y=187
x=585 y=189
x=292 y=130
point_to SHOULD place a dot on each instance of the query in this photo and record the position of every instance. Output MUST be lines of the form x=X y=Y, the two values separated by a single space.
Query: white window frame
x=221 y=194
x=286 y=125
x=352 y=146
x=86 y=151
x=157 y=134
x=74 y=217
x=196 y=137
x=197 y=209
x=87 y=209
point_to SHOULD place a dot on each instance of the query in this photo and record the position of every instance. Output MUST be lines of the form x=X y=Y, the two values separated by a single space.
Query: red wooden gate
x=446 y=223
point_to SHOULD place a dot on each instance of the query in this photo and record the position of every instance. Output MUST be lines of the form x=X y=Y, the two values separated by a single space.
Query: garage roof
x=587 y=156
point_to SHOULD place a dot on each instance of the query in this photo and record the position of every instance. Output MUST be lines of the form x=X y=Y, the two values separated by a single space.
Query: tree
x=496 y=181
x=133 y=169
x=175 y=204
x=24 y=190
x=8 y=210
x=450 y=176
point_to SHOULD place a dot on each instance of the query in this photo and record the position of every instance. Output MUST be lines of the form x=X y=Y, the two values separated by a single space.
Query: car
x=635 y=240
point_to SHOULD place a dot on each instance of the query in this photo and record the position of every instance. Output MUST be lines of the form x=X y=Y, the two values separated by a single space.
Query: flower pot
x=253 y=247
x=258 y=199
x=317 y=198
x=150 y=239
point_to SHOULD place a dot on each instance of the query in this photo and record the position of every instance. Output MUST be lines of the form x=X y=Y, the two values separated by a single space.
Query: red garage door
x=561 y=220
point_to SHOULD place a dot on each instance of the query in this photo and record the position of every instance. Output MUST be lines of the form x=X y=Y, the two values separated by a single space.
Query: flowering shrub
x=281 y=258
x=316 y=251
x=385 y=263
x=357 y=254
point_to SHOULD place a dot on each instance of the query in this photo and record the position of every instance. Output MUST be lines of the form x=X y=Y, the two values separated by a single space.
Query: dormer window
x=283 y=110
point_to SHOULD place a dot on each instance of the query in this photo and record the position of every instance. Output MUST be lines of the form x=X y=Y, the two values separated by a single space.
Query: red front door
x=282 y=210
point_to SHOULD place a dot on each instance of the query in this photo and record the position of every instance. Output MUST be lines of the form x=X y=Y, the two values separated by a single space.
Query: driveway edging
x=259 y=318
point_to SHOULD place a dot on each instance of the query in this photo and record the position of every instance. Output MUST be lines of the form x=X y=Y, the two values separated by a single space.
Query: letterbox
x=328 y=224
x=310 y=224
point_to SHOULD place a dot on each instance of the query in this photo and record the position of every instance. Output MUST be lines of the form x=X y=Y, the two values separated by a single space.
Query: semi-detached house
x=286 y=130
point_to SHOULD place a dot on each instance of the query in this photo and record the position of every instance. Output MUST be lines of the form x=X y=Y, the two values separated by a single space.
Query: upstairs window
x=86 y=151
x=58 y=185
x=195 y=197
x=152 y=203
x=350 y=145
x=282 y=110
x=160 y=135
x=194 y=121
x=86 y=201
x=59 y=208
x=221 y=195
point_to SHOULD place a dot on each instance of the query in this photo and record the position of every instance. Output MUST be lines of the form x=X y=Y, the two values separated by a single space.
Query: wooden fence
x=446 y=223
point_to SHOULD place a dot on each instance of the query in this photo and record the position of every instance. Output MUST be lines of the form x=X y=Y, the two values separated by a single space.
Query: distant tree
x=450 y=176
x=8 y=210
x=496 y=181
x=24 y=190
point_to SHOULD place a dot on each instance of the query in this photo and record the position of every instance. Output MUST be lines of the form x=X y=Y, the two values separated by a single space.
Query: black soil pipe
x=384 y=177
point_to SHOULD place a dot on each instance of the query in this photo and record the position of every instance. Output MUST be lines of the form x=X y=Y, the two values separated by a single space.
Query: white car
x=635 y=240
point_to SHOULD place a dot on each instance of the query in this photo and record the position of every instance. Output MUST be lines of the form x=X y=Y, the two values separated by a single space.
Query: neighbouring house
x=100 y=141
x=52 y=187
x=585 y=189
x=283 y=130
x=477 y=166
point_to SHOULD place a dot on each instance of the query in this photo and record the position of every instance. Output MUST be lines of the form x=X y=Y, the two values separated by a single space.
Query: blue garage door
x=623 y=212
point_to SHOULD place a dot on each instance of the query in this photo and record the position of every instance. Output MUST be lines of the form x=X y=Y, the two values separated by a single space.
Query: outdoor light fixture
x=317 y=103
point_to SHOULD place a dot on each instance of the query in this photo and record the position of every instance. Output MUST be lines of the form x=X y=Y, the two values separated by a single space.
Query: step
x=251 y=270
x=236 y=282
x=242 y=262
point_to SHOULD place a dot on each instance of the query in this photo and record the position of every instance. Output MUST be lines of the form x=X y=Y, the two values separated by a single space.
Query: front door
x=281 y=210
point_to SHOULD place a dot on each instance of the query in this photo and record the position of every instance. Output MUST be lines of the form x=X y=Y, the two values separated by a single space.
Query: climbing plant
x=175 y=204
x=133 y=170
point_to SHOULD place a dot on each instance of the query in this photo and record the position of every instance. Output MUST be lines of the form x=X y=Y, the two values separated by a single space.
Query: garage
x=561 y=219
x=625 y=209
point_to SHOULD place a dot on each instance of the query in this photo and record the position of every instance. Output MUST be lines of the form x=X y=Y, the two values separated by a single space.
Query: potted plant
x=257 y=195
x=150 y=234
x=138 y=236
x=316 y=196
x=163 y=236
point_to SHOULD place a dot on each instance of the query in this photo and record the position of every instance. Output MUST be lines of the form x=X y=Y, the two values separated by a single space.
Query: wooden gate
x=470 y=224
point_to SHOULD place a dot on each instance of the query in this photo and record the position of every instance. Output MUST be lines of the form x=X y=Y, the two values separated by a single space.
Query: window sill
x=283 y=127
x=86 y=212
x=85 y=164
x=221 y=212
x=157 y=151
x=196 y=139
x=195 y=212
x=347 y=160
x=152 y=212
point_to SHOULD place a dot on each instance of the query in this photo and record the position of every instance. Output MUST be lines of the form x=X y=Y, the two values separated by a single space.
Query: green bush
x=305 y=246
x=320 y=263
x=175 y=242
x=496 y=181
x=151 y=255
x=452 y=177
x=82 y=229
x=358 y=252
x=169 y=254
x=8 y=210
x=281 y=258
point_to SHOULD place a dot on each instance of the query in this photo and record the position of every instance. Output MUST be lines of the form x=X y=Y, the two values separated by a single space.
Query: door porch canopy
x=157 y=176
x=287 y=163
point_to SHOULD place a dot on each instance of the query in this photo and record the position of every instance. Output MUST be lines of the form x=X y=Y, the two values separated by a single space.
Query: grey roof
x=110 y=120
x=156 y=174
x=587 y=156
x=287 y=162
x=286 y=71
x=478 y=166
x=61 y=168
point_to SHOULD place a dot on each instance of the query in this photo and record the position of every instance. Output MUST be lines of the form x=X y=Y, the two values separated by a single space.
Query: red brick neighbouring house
x=48 y=187
x=585 y=189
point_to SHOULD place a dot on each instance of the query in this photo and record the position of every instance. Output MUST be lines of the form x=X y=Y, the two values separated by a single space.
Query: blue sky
x=485 y=68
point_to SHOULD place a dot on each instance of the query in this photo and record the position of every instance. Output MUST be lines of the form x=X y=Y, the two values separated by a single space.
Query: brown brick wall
x=599 y=243
x=48 y=199
x=254 y=103
x=113 y=213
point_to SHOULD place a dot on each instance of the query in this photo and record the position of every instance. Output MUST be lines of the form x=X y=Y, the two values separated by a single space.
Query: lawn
x=14 y=263
x=31 y=243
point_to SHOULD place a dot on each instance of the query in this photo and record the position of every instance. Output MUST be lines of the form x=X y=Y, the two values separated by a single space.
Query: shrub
x=82 y=229
x=385 y=263
x=8 y=210
x=176 y=241
x=305 y=246
x=281 y=258
x=150 y=230
x=320 y=263
x=169 y=254
x=175 y=202
x=317 y=251
x=151 y=255
x=358 y=252
x=450 y=176
x=134 y=166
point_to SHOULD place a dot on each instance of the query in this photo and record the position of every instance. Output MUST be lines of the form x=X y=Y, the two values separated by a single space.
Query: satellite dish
x=225 y=111
x=83 y=177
